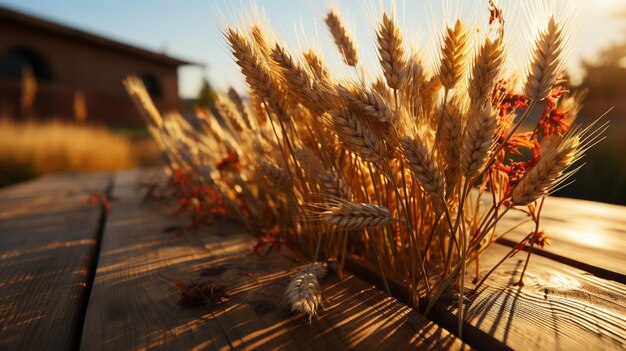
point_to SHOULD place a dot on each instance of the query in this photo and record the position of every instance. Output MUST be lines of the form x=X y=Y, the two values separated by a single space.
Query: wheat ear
x=310 y=164
x=342 y=38
x=450 y=145
x=259 y=111
x=316 y=64
x=485 y=70
x=137 y=91
x=257 y=75
x=356 y=136
x=334 y=186
x=478 y=141
x=276 y=176
x=453 y=56
x=381 y=88
x=391 y=51
x=423 y=166
x=236 y=99
x=546 y=62
x=414 y=77
x=230 y=114
x=354 y=216
x=304 y=293
x=302 y=87
x=366 y=102
x=557 y=156
x=259 y=40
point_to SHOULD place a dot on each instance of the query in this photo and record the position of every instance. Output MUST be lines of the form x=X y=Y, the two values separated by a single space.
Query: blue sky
x=190 y=29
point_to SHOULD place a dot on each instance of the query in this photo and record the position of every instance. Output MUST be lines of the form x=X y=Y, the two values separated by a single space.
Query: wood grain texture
x=48 y=236
x=559 y=308
x=588 y=235
x=133 y=304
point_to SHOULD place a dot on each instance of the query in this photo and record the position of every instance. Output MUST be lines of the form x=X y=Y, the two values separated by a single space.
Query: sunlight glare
x=587 y=234
x=562 y=282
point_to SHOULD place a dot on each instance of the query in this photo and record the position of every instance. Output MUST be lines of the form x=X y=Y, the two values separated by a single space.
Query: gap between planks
x=104 y=208
x=133 y=303
x=587 y=235
x=48 y=232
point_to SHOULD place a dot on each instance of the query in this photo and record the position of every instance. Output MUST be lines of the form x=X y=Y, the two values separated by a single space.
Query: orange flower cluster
x=204 y=203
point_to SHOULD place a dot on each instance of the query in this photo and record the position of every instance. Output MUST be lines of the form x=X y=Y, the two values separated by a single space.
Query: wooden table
x=73 y=275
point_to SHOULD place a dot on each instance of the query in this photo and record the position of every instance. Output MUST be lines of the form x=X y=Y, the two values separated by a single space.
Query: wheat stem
x=532 y=241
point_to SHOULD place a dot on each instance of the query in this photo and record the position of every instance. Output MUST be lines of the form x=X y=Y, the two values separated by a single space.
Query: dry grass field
x=35 y=148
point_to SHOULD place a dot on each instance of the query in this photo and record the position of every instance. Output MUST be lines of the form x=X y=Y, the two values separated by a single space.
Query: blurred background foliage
x=603 y=178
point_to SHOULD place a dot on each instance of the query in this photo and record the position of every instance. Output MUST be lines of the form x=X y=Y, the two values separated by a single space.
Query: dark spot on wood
x=172 y=228
x=264 y=308
x=213 y=271
x=545 y=293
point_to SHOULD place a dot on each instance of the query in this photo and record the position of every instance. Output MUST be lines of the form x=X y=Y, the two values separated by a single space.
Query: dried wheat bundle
x=412 y=169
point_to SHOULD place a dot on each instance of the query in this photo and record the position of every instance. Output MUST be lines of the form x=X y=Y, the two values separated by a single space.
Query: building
x=77 y=73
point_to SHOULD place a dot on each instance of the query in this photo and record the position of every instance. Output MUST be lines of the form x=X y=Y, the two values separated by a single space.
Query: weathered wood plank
x=587 y=234
x=48 y=238
x=133 y=304
x=559 y=308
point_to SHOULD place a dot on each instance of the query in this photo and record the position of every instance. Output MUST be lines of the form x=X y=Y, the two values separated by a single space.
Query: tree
x=206 y=96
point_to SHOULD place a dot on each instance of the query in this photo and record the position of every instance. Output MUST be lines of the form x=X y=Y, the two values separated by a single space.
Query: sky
x=191 y=29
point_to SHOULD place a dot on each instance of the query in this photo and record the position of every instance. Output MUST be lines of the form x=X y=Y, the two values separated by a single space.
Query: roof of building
x=9 y=16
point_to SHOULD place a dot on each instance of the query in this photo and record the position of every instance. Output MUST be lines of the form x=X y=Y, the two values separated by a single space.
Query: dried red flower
x=275 y=238
x=515 y=170
x=249 y=275
x=495 y=13
x=553 y=120
x=506 y=101
x=542 y=239
x=230 y=162
x=97 y=198
x=201 y=294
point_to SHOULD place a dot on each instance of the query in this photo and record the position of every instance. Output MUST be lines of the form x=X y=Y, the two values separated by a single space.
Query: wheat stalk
x=310 y=163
